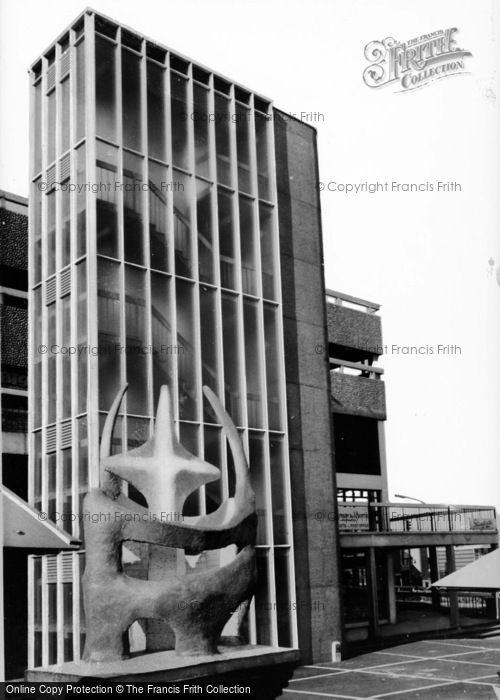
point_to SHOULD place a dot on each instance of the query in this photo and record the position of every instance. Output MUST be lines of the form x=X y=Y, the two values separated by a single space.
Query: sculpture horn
x=243 y=490
x=109 y=481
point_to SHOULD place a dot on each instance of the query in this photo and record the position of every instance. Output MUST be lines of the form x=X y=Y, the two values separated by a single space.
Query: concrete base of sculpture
x=266 y=670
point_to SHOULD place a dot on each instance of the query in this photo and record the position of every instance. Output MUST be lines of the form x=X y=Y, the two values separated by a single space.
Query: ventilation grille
x=50 y=439
x=64 y=168
x=51 y=77
x=65 y=63
x=51 y=178
x=66 y=434
x=65 y=282
x=65 y=568
x=50 y=291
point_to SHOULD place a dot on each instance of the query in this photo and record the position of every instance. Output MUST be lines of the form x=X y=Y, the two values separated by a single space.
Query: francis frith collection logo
x=416 y=62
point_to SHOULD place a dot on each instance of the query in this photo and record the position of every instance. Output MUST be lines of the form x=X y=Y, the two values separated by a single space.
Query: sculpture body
x=197 y=605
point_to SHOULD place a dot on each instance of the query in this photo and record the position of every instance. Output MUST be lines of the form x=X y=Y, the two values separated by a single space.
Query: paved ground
x=429 y=670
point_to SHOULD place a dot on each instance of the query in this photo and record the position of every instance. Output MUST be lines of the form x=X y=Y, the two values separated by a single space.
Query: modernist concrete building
x=21 y=531
x=378 y=538
x=175 y=239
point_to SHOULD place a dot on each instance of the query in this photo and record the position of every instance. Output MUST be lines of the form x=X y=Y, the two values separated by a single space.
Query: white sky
x=423 y=256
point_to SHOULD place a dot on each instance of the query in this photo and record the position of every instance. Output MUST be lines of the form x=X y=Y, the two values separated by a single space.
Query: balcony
x=357 y=389
x=413 y=525
x=353 y=324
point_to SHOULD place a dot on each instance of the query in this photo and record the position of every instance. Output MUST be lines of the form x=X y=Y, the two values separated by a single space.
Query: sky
x=431 y=259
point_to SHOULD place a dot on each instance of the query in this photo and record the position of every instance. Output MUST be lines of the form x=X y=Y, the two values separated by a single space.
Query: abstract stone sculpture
x=197 y=605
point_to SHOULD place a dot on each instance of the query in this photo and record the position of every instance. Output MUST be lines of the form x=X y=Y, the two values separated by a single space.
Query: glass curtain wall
x=161 y=267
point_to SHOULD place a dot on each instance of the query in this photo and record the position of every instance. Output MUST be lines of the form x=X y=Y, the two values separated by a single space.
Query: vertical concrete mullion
x=174 y=388
x=91 y=249
x=145 y=231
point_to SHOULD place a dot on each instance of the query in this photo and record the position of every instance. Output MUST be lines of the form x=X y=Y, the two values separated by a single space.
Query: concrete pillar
x=391 y=590
x=450 y=568
x=434 y=570
x=372 y=592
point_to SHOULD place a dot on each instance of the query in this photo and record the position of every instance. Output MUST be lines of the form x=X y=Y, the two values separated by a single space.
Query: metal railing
x=340 y=299
x=415 y=518
x=357 y=369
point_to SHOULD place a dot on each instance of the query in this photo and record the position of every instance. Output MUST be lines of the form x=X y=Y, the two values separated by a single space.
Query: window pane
x=37 y=136
x=81 y=201
x=65 y=224
x=52 y=616
x=188 y=435
x=263 y=604
x=267 y=244
x=205 y=233
x=253 y=364
x=136 y=341
x=162 y=333
x=131 y=100
x=51 y=233
x=82 y=338
x=51 y=486
x=186 y=353
x=51 y=127
x=248 y=247
x=37 y=461
x=66 y=357
x=68 y=620
x=200 y=118
x=109 y=316
x=156 y=111
x=213 y=490
x=222 y=142
x=209 y=329
x=182 y=224
x=226 y=240
x=179 y=120
x=51 y=365
x=243 y=148
x=284 y=604
x=83 y=468
x=66 y=506
x=107 y=211
x=65 y=121
x=37 y=358
x=258 y=480
x=232 y=369
x=105 y=89
x=277 y=459
x=36 y=198
x=273 y=368
x=158 y=237
x=262 y=132
x=80 y=90
x=133 y=217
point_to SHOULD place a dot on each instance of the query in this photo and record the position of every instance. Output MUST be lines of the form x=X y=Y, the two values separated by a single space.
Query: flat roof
x=11 y=197
x=91 y=11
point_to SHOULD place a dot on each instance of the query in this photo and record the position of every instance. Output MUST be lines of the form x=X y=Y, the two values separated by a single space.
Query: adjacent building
x=389 y=552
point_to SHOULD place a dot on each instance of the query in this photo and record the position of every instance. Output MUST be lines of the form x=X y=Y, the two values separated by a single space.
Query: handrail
x=356 y=365
x=369 y=305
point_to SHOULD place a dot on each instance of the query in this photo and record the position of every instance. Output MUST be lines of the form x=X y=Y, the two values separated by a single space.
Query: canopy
x=24 y=527
x=482 y=574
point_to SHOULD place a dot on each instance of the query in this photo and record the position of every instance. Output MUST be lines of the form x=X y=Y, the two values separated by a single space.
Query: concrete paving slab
x=376 y=658
x=486 y=656
x=307 y=671
x=452 y=691
x=441 y=669
x=358 y=684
